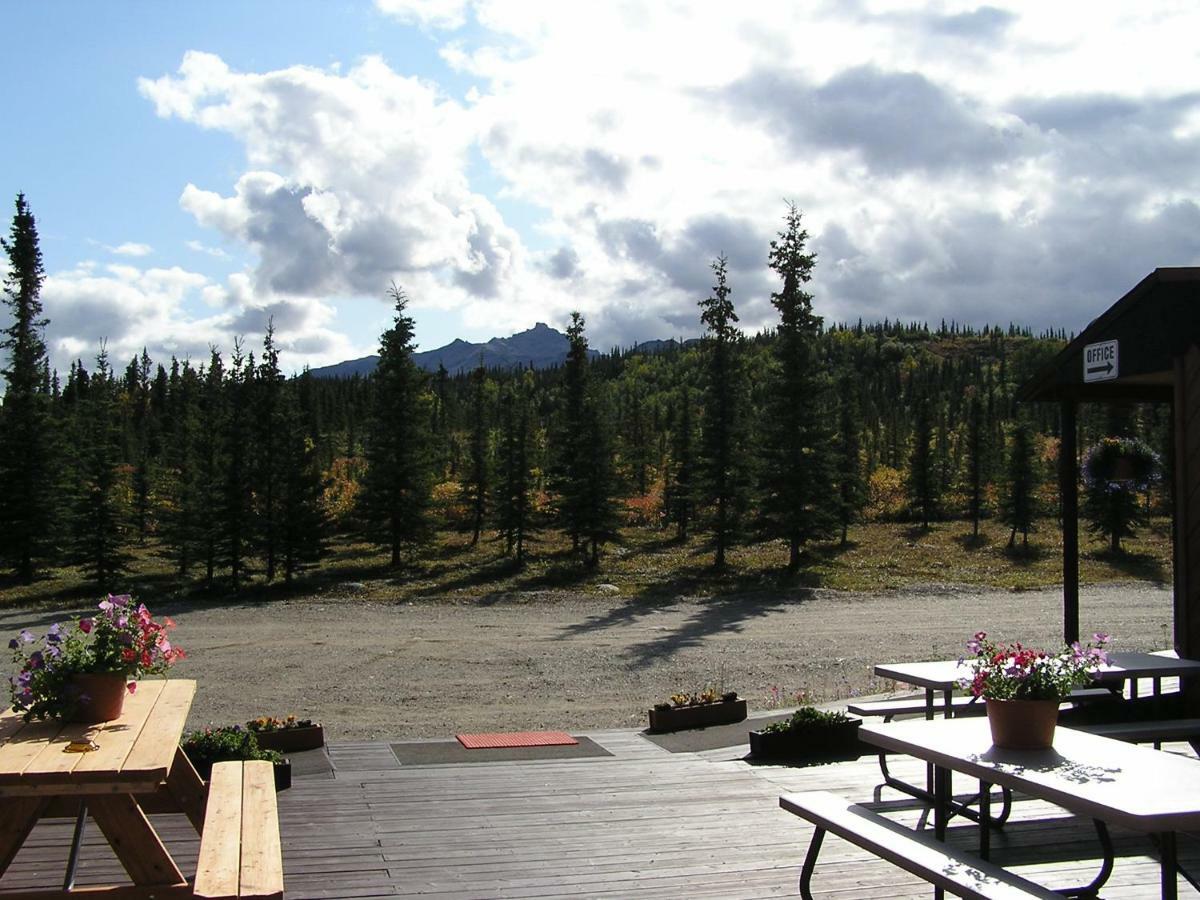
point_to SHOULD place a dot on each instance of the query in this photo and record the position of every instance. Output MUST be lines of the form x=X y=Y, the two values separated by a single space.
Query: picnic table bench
x=239 y=848
x=962 y=874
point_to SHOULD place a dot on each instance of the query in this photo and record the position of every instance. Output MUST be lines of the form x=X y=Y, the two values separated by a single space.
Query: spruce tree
x=141 y=440
x=600 y=521
x=681 y=488
x=798 y=463
x=586 y=480
x=514 y=478
x=210 y=467
x=270 y=426
x=851 y=485
x=302 y=525
x=1019 y=504
x=976 y=463
x=723 y=435
x=395 y=496
x=922 y=477
x=237 y=523
x=101 y=515
x=637 y=448
x=178 y=476
x=27 y=449
x=477 y=483
x=571 y=470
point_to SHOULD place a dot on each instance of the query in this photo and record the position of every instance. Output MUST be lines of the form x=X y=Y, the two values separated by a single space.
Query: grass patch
x=648 y=563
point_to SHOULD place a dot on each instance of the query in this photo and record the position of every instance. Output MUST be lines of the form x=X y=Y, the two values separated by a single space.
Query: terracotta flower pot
x=1022 y=724
x=99 y=696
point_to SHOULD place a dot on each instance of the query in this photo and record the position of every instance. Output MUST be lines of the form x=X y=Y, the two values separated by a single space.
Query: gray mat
x=313 y=763
x=715 y=737
x=429 y=753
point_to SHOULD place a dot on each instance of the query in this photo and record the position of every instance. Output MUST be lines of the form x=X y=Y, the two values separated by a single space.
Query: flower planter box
x=828 y=742
x=677 y=718
x=292 y=740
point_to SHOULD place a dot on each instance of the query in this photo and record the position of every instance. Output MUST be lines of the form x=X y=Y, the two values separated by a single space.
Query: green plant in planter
x=229 y=742
x=807 y=718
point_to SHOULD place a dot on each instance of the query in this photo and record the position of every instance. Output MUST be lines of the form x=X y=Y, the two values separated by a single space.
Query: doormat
x=494 y=741
x=435 y=753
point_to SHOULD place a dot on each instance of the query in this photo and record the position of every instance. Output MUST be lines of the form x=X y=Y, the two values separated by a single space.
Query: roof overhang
x=1151 y=325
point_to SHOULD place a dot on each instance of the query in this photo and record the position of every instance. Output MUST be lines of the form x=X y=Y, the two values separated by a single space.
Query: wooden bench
x=240 y=854
x=962 y=874
x=959 y=706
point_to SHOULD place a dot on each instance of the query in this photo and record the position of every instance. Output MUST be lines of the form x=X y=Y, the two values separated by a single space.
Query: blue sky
x=198 y=169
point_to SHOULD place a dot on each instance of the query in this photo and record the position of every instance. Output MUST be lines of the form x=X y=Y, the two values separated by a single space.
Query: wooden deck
x=641 y=823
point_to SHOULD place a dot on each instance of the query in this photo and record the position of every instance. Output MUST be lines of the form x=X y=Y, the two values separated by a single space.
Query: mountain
x=541 y=347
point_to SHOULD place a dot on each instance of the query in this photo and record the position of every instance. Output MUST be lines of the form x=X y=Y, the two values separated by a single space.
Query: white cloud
x=434 y=13
x=201 y=247
x=132 y=249
x=128 y=309
x=948 y=160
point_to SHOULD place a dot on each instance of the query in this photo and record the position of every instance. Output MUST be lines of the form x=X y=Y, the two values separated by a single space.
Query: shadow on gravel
x=716 y=616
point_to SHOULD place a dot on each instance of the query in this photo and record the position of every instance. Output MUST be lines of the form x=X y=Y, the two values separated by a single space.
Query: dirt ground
x=572 y=661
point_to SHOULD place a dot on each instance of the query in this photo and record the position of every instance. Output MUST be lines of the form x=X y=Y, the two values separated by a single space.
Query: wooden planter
x=292 y=740
x=677 y=718
x=826 y=742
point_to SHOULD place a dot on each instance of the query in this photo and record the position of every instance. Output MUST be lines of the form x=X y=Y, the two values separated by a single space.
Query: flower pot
x=98 y=696
x=292 y=740
x=1022 y=724
x=1123 y=469
x=676 y=718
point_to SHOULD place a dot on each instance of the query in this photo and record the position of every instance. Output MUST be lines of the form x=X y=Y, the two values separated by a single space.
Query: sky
x=199 y=169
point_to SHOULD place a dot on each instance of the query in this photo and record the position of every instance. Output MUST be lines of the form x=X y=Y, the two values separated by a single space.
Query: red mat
x=515 y=739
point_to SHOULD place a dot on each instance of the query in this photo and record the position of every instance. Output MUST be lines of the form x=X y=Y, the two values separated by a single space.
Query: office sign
x=1100 y=361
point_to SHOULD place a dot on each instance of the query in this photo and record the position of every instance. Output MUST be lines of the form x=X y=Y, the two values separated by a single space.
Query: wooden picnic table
x=1111 y=781
x=137 y=763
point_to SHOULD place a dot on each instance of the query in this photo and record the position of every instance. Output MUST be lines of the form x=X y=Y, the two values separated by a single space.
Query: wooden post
x=1068 y=488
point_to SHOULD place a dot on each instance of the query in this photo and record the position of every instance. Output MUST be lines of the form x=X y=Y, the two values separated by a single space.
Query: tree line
x=236 y=472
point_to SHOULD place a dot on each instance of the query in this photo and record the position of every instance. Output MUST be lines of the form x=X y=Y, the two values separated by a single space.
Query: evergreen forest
x=235 y=473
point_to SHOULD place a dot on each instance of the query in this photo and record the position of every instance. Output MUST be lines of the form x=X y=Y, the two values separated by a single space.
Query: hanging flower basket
x=1121 y=462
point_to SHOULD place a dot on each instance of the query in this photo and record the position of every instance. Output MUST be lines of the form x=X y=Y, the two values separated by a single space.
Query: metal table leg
x=1168 y=862
x=76 y=843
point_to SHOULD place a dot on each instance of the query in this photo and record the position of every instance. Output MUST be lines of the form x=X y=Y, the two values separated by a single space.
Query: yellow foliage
x=886 y=496
x=341 y=487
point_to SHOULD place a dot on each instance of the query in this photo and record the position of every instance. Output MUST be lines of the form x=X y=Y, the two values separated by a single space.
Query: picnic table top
x=133 y=752
x=1125 y=784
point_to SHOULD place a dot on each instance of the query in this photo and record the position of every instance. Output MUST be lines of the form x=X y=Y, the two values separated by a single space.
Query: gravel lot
x=562 y=660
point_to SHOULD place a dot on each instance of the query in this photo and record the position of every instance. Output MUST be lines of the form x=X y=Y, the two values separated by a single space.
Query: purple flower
x=35 y=659
x=27 y=636
x=13 y=644
x=120 y=599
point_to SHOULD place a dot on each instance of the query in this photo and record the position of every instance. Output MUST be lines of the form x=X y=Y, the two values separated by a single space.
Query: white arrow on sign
x=1100 y=362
